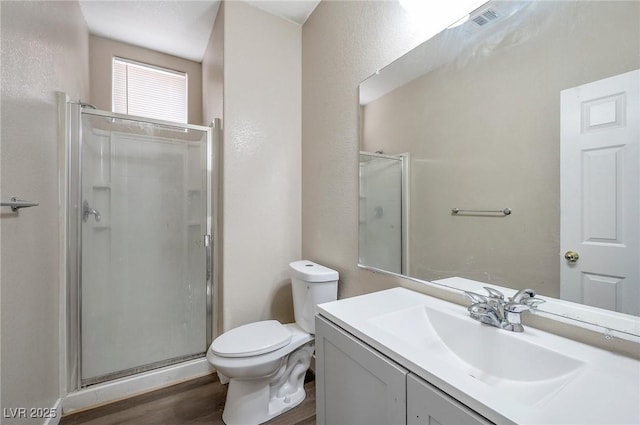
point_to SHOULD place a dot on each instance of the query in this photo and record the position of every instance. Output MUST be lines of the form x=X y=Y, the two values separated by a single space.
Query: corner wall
x=260 y=159
x=44 y=50
x=213 y=72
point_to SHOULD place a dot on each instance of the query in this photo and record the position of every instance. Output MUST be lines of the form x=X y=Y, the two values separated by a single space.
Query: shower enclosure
x=383 y=212
x=140 y=218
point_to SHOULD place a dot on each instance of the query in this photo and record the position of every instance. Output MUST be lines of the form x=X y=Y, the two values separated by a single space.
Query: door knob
x=571 y=256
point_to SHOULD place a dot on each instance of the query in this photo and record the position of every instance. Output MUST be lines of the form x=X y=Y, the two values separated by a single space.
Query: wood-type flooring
x=196 y=402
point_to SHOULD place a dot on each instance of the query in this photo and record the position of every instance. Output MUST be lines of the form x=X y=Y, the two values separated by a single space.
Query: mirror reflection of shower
x=383 y=206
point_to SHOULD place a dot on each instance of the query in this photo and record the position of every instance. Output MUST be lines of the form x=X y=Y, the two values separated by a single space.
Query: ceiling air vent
x=485 y=17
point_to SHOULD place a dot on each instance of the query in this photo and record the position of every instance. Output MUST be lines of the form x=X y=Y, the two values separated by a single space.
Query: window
x=149 y=91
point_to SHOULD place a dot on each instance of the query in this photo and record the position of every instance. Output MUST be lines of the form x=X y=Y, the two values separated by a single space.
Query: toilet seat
x=251 y=367
x=252 y=339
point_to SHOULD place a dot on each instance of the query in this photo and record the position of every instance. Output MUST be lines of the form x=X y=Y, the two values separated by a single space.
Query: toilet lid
x=252 y=339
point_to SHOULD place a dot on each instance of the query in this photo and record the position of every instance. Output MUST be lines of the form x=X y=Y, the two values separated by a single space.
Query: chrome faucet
x=494 y=310
x=523 y=294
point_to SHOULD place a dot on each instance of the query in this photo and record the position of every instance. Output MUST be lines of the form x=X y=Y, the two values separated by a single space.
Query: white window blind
x=149 y=91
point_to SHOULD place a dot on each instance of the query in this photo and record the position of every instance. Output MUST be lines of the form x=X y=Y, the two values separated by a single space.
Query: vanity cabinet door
x=427 y=405
x=354 y=383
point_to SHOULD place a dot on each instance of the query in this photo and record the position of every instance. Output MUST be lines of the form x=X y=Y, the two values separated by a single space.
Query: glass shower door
x=380 y=231
x=143 y=224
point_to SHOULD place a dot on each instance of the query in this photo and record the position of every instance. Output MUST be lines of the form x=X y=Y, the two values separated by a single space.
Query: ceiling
x=296 y=11
x=178 y=27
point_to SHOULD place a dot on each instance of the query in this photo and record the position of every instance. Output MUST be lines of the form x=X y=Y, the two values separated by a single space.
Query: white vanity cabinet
x=427 y=405
x=356 y=385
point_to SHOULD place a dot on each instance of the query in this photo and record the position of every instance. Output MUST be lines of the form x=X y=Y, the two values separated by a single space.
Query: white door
x=600 y=191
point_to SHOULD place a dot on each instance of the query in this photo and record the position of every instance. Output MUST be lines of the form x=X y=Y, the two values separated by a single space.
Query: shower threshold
x=140 y=369
x=117 y=389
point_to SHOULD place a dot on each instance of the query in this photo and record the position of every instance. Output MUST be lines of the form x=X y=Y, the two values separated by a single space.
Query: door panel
x=600 y=192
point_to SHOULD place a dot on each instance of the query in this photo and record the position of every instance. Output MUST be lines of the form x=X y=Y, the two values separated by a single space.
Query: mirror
x=505 y=150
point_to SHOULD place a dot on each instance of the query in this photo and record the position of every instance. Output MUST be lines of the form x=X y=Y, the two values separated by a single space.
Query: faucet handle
x=485 y=313
x=494 y=293
x=513 y=307
x=533 y=302
x=476 y=298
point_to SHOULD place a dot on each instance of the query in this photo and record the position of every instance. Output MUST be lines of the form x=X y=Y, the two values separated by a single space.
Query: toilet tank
x=311 y=284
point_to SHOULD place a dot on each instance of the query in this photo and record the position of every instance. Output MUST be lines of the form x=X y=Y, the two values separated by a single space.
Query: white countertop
x=605 y=389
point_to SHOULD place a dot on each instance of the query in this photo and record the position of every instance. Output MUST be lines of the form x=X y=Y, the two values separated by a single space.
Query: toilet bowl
x=266 y=361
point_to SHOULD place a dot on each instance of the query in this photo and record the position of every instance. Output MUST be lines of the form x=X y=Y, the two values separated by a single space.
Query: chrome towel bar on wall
x=505 y=211
x=16 y=204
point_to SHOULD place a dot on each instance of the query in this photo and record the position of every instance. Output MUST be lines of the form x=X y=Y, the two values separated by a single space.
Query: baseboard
x=57 y=408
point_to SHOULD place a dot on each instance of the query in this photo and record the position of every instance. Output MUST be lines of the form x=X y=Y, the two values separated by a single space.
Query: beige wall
x=487 y=135
x=261 y=162
x=44 y=50
x=213 y=72
x=101 y=53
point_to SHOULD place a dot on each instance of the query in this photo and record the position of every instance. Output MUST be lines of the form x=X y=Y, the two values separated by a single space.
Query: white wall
x=261 y=162
x=44 y=50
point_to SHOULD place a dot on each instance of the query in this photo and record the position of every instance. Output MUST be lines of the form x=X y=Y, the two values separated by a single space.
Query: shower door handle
x=207 y=244
x=86 y=210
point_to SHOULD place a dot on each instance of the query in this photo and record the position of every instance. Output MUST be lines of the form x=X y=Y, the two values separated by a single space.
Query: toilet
x=265 y=362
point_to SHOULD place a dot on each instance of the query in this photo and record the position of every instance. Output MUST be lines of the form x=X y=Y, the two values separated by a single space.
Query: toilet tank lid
x=309 y=271
x=252 y=339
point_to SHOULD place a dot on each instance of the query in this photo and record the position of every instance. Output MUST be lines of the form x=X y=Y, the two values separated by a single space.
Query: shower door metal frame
x=405 y=195
x=73 y=158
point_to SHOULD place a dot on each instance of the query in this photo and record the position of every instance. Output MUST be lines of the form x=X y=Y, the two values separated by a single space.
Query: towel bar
x=505 y=211
x=16 y=204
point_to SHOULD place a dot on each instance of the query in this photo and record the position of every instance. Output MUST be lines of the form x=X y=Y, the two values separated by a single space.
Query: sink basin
x=515 y=362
